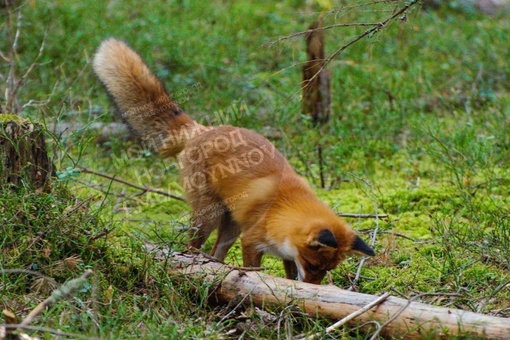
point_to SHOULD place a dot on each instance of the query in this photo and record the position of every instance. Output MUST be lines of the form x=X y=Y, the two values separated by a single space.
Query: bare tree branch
x=322 y=28
x=363 y=215
x=119 y=180
x=21 y=81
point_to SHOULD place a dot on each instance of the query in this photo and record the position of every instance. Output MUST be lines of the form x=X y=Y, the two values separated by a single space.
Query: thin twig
x=13 y=84
x=21 y=81
x=351 y=316
x=362 y=215
x=493 y=293
x=235 y=308
x=119 y=199
x=363 y=325
x=47 y=330
x=12 y=40
x=322 y=28
x=358 y=5
x=397 y=235
x=354 y=282
x=119 y=180
x=10 y=319
x=39 y=103
x=18 y=29
x=374 y=233
x=100 y=189
x=360 y=311
x=29 y=272
x=321 y=167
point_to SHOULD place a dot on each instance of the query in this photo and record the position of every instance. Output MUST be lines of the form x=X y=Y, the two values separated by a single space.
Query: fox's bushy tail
x=141 y=98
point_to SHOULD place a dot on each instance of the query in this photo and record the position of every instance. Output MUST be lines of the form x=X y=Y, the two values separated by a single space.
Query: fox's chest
x=284 y=250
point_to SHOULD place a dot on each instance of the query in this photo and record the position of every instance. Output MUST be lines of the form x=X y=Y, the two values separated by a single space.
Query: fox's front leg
x=251 y=256
x=291 y=271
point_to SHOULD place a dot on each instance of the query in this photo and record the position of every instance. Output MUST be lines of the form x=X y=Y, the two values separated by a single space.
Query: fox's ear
x=324 y=238
x=359 y=246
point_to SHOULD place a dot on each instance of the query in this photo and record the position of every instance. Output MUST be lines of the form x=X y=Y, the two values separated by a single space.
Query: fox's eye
x=313 y=268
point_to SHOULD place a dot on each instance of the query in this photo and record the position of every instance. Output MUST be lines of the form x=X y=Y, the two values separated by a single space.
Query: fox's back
x=230 y=157
x=238 y=166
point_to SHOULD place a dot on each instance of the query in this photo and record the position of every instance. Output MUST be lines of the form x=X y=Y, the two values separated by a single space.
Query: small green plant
x=68 y=174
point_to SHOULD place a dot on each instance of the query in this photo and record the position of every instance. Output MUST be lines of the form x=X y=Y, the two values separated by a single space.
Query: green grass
x=419 y=131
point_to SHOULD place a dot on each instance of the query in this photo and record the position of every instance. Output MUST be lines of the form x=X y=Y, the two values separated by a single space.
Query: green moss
x=7 y=117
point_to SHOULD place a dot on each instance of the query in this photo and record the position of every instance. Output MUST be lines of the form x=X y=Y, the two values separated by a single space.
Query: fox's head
x=324 y=248
x=310 y=237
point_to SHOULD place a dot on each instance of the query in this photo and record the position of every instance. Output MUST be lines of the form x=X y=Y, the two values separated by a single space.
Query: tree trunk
x=316 y=100
x=416 y=321
x=24 y=160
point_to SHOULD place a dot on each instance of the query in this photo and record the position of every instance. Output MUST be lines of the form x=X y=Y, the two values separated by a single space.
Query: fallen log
x=412 y=320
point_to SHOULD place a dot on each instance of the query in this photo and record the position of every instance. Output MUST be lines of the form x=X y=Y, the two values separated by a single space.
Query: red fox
x=234 y=179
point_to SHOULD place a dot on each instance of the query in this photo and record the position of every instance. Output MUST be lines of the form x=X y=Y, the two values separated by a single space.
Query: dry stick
x=99 y=188
x=15 y=84
x=119 y=180
x=119 y=199
x=46 y=330
x=39 y=103
x=351 y=316
x=147 y=189
x=321 y=167
x=376 y=302
x=358 y=5
x=64 y=291
x=372 y=239
x=10 y=319
x=31 y=67
x=481 y=307
x=4 y=57
x=397 y=234
x=234 y=309
x=363 y=215
x=293 y=35
x=13 y=41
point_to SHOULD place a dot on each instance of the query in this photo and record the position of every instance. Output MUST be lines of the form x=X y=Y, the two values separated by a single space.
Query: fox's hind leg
x=207 y=216
x=210 y=213
x=228 y=232
x=209 y=210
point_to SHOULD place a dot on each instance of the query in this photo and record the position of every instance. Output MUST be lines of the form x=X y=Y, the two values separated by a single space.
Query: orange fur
x=235 y=180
